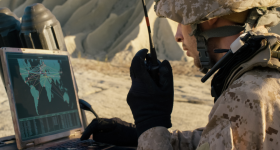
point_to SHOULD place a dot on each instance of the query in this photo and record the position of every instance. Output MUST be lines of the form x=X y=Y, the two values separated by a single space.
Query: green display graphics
x=44 y=94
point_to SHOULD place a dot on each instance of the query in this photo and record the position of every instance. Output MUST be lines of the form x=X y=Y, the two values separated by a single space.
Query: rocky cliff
x=112 y=30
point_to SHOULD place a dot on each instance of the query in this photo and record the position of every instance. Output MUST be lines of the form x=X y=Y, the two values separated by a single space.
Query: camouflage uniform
x=247 y=114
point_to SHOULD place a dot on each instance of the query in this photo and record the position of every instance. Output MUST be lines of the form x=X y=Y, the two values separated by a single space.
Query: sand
x=105 y=87
x=102 y=36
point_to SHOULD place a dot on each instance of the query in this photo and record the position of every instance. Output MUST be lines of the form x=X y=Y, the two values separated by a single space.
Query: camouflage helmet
x=194 y=12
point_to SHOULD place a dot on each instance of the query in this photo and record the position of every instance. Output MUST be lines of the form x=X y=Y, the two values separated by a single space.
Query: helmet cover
x=197 y=11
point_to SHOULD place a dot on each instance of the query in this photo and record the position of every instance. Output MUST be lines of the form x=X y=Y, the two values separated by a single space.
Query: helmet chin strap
x=205 y=63
x=202 y=38
x=256 y=17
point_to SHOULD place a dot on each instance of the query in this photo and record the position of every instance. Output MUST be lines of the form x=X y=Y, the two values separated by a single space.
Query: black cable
x=86 y=106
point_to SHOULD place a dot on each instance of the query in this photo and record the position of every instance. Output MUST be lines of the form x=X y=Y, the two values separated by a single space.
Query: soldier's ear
x=209 y=24
x=212 y=22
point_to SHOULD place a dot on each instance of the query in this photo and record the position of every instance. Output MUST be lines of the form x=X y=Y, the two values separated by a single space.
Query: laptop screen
x=44 y=94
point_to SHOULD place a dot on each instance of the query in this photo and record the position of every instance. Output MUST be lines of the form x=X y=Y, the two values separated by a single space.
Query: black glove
x=151 y=104
x=112 y=131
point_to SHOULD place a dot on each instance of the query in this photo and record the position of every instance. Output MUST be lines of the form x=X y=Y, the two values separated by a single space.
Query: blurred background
x=102 y=36
x=86 y=24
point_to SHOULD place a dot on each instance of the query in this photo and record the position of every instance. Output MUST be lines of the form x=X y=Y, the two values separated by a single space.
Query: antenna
x=154 y=61
x=152 y=47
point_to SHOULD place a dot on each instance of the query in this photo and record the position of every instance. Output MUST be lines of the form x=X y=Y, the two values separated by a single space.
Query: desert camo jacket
x=246 y=116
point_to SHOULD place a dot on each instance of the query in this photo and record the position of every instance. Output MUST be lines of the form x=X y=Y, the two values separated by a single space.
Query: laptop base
x=72 y=143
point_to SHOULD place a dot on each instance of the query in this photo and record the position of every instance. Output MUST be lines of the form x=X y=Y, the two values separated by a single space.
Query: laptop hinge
x=29 y=145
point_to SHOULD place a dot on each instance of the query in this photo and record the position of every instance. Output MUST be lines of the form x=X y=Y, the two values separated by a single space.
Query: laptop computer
x=43 y=100
x=42 y=95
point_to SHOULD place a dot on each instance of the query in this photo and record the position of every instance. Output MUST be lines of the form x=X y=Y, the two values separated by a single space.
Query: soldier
x=231 y=36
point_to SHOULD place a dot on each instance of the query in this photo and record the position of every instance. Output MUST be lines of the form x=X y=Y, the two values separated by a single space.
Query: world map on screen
x=47 y=73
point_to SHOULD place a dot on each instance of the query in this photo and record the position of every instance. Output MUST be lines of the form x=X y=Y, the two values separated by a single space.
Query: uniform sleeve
x=247 y=114
x=160 y=138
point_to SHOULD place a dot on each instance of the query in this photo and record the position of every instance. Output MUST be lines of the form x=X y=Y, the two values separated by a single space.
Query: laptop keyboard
x=76 y=144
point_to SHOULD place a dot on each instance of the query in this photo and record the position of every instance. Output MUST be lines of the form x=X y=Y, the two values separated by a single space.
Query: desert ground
x=105 y=87
x=102 y=36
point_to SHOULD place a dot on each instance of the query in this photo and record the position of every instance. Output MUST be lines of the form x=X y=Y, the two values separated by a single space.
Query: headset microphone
x=152 y=62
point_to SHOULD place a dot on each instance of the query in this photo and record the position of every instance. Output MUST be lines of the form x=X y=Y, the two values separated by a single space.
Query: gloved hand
x=151 y=104
x=112 y=131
